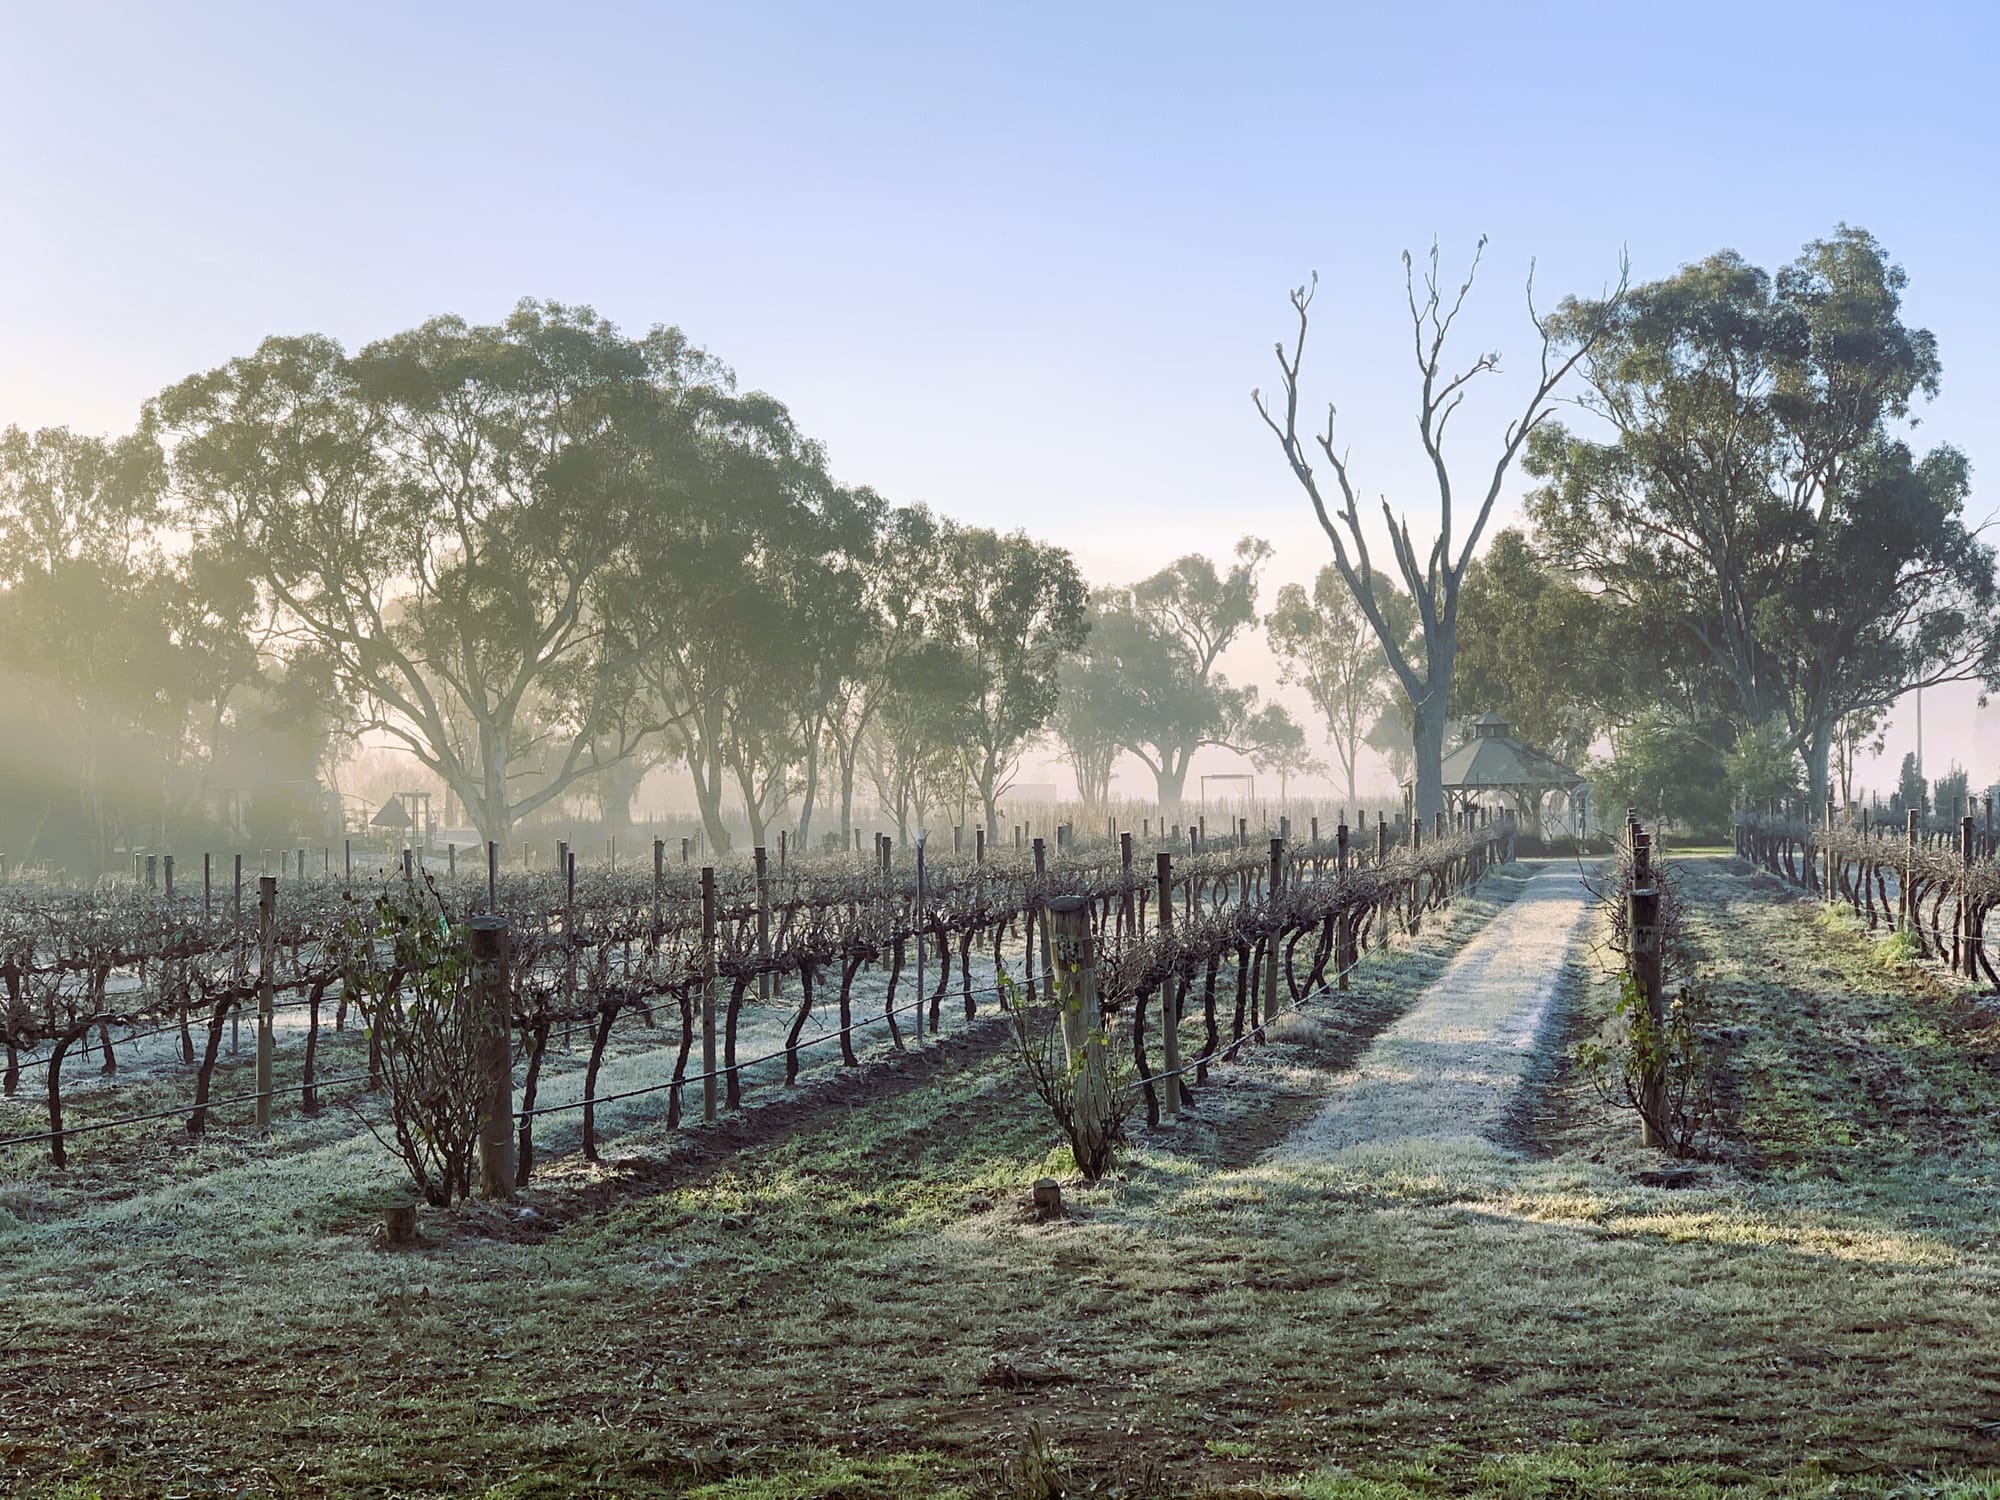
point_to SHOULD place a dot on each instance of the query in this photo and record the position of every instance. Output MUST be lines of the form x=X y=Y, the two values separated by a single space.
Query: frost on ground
x=1450 y=1066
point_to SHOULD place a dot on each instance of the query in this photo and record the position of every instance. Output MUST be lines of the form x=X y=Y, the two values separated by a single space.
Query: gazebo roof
x=392 y=815
x=1493 y=760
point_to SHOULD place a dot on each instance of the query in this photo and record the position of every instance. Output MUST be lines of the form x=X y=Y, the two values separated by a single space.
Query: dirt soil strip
x=1449 y=1068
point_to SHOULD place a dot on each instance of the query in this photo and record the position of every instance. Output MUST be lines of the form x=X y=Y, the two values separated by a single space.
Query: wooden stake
x=708 y=993
x=763 y=923
x=1273 y=947
x=1075 y=988
x=1170 y=1011
x=1642 y=925
x=267 y=952
x=490 y=944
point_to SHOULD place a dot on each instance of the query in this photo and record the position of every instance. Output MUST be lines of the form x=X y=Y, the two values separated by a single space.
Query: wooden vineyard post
x=1906 y=914
x=659 y=886
x=1273 y=946
x=1048 y=942
x=267 y=952
x=763 y=923
x=1075 y=987
x=1127 y=911
x=1866 y=874
x=492 y=875
x=1832 y=881
x=491 y=1014
x=1969 y=965
x=167 y=869
x=1170 y=1012
x=1642 y=918
x=708 y=993
x=1343 y=958
x=917 y=1011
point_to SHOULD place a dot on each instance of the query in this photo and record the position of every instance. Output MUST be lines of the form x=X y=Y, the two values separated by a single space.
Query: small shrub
x=406 y=965
x=1037 y=1470
x=1901 y=947
x=1063 y=1083
x=1299 y=1030
x=1031 y=1472
x=1631 y=1047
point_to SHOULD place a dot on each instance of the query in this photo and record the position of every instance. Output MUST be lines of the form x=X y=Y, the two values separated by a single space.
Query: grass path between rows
x=1450 y=1068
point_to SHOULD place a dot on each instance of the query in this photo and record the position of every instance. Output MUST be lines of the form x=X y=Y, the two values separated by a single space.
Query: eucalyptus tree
x=1086 y=725
x=436 y=515
x=80 y=638
x=744 y=603
x=1009 y=608
x=910 y=749
x=1562 y=663
x=128 y=670
x=1163 y=698
x=69 y=498
x=816 y=623
x=1752 y=489
x=890 y=652
x=1431 y=578
x=1326 y=645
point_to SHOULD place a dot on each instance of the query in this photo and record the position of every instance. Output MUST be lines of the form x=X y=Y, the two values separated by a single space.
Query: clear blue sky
x=1023 y=262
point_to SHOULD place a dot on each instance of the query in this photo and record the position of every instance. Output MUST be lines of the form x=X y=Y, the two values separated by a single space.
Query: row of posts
x=148 y=869
x=156 y=872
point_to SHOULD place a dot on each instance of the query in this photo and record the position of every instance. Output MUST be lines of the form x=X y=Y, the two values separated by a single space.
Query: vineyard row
x=585 y=951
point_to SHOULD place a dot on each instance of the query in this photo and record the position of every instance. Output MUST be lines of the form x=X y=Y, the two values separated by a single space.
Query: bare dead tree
x=1433 y=581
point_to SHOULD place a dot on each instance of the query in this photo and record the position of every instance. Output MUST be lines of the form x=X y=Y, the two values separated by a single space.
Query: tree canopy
x=1150 y=684
x=1326 y=644
x=1754 y=492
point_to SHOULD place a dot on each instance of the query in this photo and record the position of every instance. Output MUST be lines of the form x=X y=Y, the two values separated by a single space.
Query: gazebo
x=1494 y=761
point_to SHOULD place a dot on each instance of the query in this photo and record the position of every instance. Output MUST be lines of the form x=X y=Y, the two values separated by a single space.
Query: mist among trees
x=544 y=557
